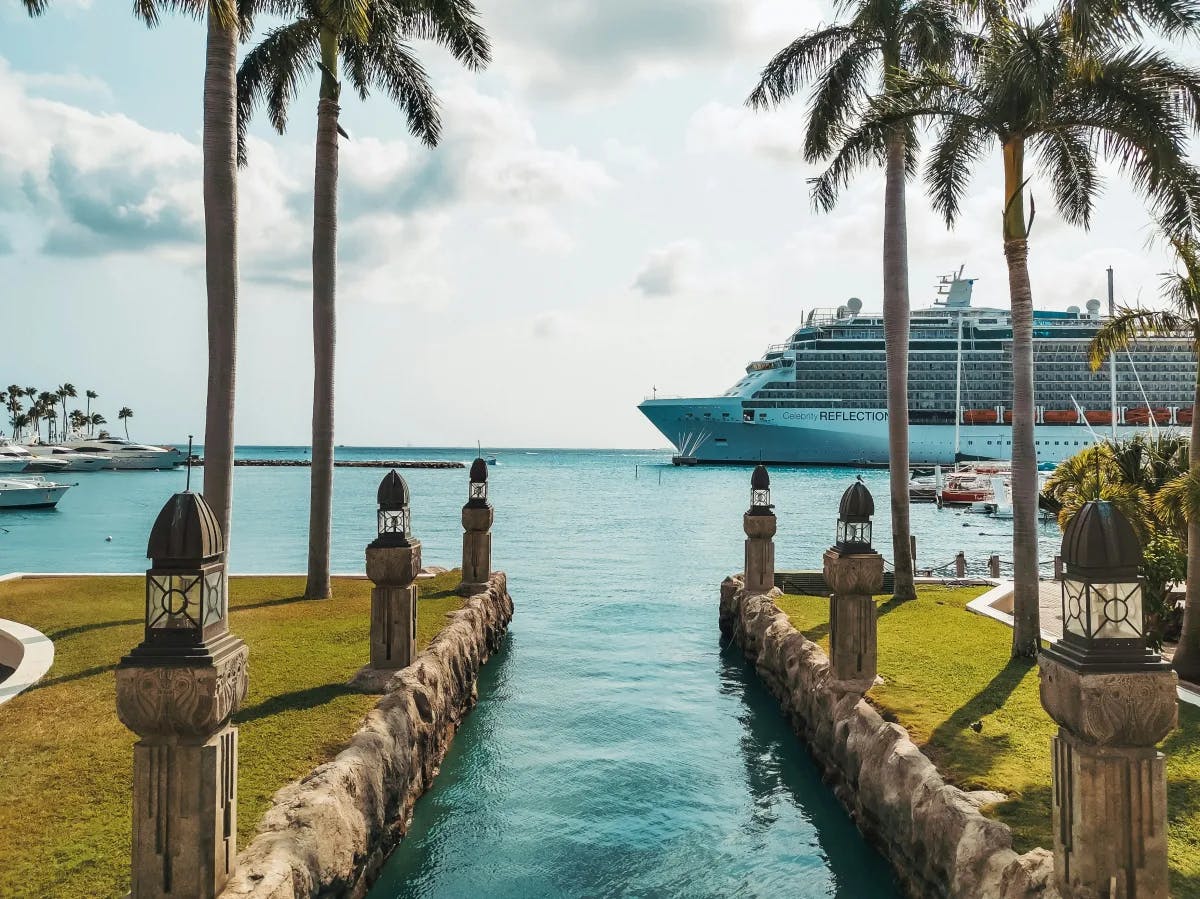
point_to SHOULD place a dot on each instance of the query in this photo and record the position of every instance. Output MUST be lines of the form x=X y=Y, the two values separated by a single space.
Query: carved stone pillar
x=760 y=551
x=1110 y=783
x=853 y=655
x=477 y=548
x=394 y=570
x=184 y=770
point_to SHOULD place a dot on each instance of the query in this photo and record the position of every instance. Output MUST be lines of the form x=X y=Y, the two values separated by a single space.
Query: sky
x=603 y=218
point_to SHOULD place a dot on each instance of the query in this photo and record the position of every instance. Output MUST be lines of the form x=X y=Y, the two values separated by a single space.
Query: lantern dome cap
x=393 y=491
x=186 y=530
x=1100 y=540
x=479 y=471
x=760 y=479
x=857 y=502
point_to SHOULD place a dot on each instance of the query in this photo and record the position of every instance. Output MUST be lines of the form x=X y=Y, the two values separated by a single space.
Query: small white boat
x=13 y=458
x=30 y=493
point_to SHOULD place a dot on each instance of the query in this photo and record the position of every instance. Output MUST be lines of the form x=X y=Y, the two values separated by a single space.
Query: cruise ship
x=821 y=397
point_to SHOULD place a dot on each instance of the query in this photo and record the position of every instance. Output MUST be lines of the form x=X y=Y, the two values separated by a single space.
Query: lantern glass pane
x=173 y=601
x=760 y=497
x=478 y=490
x=393 y=521
x=1117 y=611
x=1074 y=607
x=216 y=597
x=841 y=531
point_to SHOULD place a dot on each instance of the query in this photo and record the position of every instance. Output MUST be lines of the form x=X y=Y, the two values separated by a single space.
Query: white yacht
x=15 y=458
x=56 y=458
x=30 y=493
x=125 y=455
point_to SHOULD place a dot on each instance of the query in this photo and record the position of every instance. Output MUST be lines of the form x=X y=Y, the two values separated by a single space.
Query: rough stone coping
x=28 y=651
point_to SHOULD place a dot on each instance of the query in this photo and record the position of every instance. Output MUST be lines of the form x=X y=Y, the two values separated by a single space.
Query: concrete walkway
x=997 y=604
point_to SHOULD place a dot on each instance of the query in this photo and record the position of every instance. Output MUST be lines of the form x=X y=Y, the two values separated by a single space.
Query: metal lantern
x=477 y=492
x=854 y=519
x=760 y=492
x=187 y=599
x=394 y=516
x=1102 y=600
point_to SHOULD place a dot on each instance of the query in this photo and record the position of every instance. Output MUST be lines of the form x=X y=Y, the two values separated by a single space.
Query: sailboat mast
x=958 y=388
x=1112 y=360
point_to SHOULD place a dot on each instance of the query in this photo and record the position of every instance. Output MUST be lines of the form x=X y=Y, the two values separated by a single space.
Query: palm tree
x=95 y=420
x=370 y=37
x=227 y=21
x=1180 y=495
x=1033 y=87
x=91 y=395
x=124 y=415
x=849 y=62
x=47 y=402
x=64 y=392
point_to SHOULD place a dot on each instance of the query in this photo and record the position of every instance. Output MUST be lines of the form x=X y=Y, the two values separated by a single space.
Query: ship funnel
x=854 y=304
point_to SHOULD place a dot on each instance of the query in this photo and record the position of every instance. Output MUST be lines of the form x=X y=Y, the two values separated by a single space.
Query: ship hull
x=714 y=431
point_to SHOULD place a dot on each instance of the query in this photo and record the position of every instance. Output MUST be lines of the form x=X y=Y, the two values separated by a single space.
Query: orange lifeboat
x=979 y=416
x=1008 y=416
x=1141 y=416
x=1060 y=416
x=1098 y=416
x=1183 y=417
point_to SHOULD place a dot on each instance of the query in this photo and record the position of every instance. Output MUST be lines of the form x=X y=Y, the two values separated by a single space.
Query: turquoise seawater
x=617 y=749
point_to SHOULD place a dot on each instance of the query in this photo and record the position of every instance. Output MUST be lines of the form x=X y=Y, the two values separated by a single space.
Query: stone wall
x=937 y=840
x=327 y=835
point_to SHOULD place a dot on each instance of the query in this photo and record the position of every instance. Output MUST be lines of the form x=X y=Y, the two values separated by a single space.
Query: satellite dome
x=1093 y=307
x=1073 y=310
x=841 y=311
x=854 y=304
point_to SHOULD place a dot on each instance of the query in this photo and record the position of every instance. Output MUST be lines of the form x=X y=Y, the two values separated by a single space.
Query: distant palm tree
x=124 y=415
x=372 y=38
x=850 y=62
x=19 y=422
x=65 y=391
x=1031 y=86
x=91 y=395
x=95 y=420
x=1179 y=497
x=47 y=403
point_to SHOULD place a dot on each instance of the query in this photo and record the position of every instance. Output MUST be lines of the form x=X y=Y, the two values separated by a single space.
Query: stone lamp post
x=177 y=690
x=854 y=573
x=393 y=562
x=477 y=516
x=760 y=525
x=1113 y=699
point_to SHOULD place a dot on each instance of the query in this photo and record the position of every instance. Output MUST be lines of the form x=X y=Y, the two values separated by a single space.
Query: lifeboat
x=979 y=416
x=1008 y=416
x=1141 y=416
x=1060 y=416
x=1183 y=417
x=1098 y=416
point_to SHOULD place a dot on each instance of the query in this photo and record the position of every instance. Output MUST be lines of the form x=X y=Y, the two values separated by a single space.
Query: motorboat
x=61 y=458
x=30 y=493
x=125 y=455
x=15 y=458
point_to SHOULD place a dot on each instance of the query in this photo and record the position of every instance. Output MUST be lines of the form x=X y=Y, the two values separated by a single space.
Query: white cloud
x=777 y=135
x=670 y=271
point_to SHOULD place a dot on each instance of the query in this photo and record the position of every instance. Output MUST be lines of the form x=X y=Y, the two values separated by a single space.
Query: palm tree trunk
x=221 y=265
x=1026 y=625
x=1186 y=661
x=895 y=337
x=324 y=325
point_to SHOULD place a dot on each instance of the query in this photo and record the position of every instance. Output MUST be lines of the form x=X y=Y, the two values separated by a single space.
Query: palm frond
x=272 y=73
x=1178 y=501
x=36 y=7
x=948 y=170
x=1070 y=165
x=840 y=91
x=393 y=68
x=454 y=24
x=1126 y=326
x=797 y=63
x=864 y=146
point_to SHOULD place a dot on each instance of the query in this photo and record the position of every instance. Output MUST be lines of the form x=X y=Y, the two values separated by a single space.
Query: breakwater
x=346 y=463
x=939 y=842
x=328 y=834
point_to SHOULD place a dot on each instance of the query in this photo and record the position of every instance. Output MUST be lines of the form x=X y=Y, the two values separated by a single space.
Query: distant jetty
x=365 y=463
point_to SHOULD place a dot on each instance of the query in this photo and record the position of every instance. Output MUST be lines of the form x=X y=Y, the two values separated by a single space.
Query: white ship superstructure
x=821 y=397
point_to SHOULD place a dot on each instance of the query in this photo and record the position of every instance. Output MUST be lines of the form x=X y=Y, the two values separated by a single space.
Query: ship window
x=762 y=414
x=724 y=414
x=720 y=440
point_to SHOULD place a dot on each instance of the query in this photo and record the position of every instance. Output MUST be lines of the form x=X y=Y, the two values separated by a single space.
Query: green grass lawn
x=946 y=667
x=66 y=761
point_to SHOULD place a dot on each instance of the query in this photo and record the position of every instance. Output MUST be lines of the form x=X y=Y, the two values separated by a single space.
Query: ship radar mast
x=954 y=291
